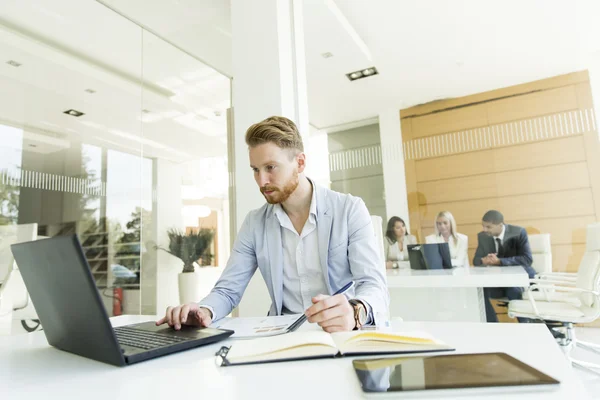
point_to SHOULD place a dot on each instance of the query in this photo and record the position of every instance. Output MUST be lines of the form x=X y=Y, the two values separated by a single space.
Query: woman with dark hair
x=396 y=241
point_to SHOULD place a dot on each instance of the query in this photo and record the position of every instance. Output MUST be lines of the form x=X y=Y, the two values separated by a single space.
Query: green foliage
x=189 y=247
x=9 y=204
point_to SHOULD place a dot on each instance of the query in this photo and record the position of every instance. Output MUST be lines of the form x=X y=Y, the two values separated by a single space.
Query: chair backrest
x=541 y=250
x=13 y=288
x=377 y=222
x=588 y=275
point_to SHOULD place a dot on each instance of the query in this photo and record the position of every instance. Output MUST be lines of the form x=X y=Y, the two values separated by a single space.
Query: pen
x=302 y=319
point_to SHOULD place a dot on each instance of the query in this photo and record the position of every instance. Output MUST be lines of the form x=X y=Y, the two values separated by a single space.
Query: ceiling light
x=14 y=63
x=363 y=73
x=90 y=91
x=368 y=71
x=73 y=113
x=327 y=55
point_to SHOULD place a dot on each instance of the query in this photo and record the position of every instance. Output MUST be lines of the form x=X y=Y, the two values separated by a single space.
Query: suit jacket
x=515 y=245
x=388 y=246
x=347 y=249
x=458 y=252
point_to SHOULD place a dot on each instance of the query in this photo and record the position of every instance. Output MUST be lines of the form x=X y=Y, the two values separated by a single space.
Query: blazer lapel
x=275 y=259
x=324 y=222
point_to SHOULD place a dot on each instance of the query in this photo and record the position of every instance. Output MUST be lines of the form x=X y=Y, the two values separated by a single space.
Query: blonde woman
x=396 y=241
x=445 y=232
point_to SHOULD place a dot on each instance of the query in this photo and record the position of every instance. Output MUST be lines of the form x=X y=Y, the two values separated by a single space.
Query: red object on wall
x=117 y=301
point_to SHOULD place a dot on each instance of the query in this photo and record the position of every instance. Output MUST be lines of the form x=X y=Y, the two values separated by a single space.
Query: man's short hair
x=278 y=130
x=493 y=216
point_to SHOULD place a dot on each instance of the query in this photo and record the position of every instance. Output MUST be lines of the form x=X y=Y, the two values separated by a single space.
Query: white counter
x=459 y=277
x=447 y=294
x=32 y=370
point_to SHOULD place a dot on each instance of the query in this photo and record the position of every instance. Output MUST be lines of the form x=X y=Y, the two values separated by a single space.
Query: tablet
x=456 y=371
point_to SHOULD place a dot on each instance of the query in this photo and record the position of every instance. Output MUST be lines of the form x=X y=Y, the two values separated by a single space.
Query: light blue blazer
x=347 y=250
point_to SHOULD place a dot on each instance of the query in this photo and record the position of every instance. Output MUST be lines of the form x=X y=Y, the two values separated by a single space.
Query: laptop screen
x=429 y=256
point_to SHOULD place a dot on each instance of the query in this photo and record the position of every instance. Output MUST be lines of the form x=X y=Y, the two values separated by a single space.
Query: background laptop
x=429 y=256
x=61 y=286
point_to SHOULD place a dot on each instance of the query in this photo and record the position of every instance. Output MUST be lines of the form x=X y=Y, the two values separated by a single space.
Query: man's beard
x=280 y=195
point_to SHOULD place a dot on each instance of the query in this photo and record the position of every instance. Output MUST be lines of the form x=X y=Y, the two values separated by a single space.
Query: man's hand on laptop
x=186 y=314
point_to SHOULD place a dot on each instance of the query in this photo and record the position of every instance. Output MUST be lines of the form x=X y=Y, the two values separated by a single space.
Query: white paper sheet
x=247 y=328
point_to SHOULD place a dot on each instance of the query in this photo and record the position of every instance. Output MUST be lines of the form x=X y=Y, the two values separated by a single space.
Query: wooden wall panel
x=573 y=78
x=592 y=149
x=566 y=258
x=584 y=95
x=449 y=121
x=406 y=128
x=561 y=230
x=570 y=203
x=542 y=153
x=565 y=150
x=532 y=104
x=531 y=151
x=530 y=181
x=465 y=164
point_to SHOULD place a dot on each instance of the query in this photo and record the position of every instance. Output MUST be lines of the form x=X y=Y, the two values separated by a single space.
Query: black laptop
x=61 y=286
x=429 y=256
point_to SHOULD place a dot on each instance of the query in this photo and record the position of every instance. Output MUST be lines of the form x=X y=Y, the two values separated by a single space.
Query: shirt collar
x=501 y=235
x=313 y=204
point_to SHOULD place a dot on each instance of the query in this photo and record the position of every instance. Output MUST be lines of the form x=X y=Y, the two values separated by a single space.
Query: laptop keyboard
x=144 y=339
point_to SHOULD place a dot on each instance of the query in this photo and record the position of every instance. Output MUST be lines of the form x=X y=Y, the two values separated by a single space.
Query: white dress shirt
x=501 y=237
x=302 y=273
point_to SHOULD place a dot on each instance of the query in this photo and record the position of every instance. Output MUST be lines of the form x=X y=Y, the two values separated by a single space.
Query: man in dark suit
x=501 y=244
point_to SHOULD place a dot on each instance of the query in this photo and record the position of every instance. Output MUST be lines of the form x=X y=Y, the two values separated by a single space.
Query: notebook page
x=374 y=341
x=265 y=347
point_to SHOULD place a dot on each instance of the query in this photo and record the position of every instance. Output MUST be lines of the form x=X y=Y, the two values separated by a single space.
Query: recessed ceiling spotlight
x=363 y=73
x=327 y=55
x=14 y=63
x=73 y=113
x=91 y=91
x=369 y=71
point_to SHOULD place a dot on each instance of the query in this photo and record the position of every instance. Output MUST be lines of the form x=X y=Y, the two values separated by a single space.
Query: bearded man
x=308 y=242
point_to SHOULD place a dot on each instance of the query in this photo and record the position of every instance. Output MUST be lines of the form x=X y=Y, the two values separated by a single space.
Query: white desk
x=32 y=370
x=447 y=294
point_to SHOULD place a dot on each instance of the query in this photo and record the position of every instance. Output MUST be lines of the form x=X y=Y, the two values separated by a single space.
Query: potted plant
x=190 y=248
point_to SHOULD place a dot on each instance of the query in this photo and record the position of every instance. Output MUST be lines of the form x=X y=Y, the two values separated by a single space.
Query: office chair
x=14 y=299
x=581 y=304
x=541 y=251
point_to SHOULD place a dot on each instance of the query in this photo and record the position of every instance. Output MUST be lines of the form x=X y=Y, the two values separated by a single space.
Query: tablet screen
x=446 y=372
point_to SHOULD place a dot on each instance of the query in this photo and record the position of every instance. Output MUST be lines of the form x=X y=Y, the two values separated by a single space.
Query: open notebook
x=320 y=344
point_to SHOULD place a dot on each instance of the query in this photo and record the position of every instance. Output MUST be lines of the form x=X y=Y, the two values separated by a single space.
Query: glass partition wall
x=113 y=135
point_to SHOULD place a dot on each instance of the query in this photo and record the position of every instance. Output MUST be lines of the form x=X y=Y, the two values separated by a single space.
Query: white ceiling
x=424 y=50
x=66 y=47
